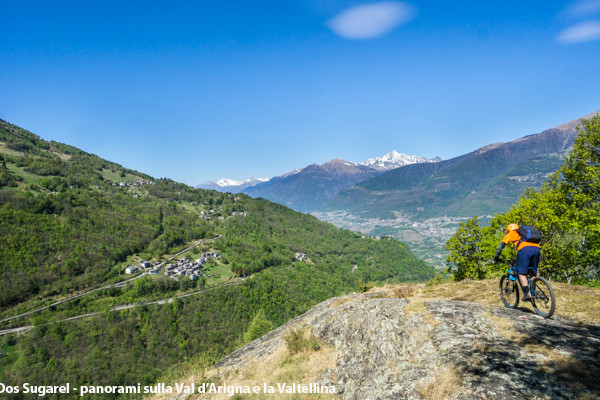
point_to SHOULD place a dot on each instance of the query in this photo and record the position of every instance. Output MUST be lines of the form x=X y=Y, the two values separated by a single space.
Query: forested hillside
x=71 y=221
x=69 y=217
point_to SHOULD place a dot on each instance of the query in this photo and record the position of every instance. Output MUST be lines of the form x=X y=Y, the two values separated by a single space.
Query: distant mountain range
x=422 y=204
x=313 y=186
x=309 y=188
x=482 y=182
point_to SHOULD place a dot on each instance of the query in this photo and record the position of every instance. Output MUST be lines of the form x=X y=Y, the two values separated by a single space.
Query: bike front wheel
x=542 y=297
x=509 y=292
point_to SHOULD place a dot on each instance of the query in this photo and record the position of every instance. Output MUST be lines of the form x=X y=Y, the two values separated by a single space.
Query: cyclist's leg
x=522 y=264
x=523 y=261
x=535 y=259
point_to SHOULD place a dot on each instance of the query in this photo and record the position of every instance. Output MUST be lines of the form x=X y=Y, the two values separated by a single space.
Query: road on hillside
x=116 y=285
x=118 y=308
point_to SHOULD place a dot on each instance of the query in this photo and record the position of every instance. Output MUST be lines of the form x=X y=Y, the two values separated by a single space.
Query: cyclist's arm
x=499 y=251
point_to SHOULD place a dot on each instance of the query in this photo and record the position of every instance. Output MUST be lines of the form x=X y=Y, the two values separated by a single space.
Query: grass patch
x=26 y=177
x=339 y=302
x=8 y=350
x=572 y=301
x=444 y=382
x=362 y=287
x=403 y=292
x=438 y=279
x=5 y=150
x=219 y=273
x=279 y=366
x=115 y=176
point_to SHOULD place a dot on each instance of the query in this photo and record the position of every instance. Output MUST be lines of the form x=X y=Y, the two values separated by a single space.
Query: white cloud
x=371 y=20
x=583 y=32
x=584 y=8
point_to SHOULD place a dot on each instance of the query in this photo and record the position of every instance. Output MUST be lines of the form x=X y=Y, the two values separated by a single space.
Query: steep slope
x=71 y=222
x=72 y=218
x=455 y=187
x=397 y=343
x=69 y=217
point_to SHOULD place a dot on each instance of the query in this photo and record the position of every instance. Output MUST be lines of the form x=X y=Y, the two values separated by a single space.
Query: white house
x=131 y=269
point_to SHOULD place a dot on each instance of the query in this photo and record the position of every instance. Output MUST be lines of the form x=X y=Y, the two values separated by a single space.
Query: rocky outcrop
x=398 y=348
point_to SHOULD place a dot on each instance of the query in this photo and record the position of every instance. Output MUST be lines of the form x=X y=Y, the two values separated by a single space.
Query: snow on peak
x=226 y=182
x=223 y=182
x=395 y=160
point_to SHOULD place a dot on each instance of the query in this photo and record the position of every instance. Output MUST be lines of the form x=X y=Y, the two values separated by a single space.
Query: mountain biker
x=528 y=256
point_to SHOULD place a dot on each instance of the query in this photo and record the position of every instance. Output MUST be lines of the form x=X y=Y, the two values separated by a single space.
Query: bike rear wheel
x=509 y=292
x=542 y=297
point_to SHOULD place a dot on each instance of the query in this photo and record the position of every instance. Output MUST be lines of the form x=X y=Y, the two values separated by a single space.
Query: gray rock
x=388 y=351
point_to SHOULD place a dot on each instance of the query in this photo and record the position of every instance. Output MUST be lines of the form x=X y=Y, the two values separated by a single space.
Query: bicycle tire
x=509 y=292
x=542 y=299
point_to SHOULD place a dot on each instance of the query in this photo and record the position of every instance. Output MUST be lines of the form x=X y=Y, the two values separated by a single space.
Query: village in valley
x=184 y=267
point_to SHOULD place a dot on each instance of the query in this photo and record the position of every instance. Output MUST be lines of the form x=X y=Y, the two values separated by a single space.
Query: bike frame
x=545 y=296
x=515 y=277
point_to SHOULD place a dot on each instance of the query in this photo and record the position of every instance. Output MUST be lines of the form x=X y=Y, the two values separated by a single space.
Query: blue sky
x=200 y=90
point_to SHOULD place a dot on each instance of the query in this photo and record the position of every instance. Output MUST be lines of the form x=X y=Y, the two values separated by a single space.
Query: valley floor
x=425 y=237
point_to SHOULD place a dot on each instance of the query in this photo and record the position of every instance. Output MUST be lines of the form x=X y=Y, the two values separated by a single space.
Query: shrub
x=301 y=339
x=259 y=326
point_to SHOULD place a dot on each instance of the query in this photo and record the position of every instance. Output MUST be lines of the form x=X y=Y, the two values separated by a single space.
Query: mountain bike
x=542 y=294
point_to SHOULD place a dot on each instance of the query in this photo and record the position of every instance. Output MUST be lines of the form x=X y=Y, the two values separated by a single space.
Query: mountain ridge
x=384 y=163
x=437 y=189
x=423 y=204
x=310 y=188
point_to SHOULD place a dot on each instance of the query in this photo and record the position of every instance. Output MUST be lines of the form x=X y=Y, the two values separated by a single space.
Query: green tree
x=466 y=257
x=259 y=326
x=579 y=189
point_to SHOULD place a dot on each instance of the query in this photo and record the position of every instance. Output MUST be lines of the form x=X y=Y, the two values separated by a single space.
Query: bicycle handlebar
x=507 y=262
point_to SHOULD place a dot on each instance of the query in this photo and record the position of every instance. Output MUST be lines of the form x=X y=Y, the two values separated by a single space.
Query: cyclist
x=528 y=256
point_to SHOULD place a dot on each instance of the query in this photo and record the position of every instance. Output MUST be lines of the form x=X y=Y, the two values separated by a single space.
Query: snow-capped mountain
x=224 y=182
x=395 y=160
x=307 y=188
x=231 y=185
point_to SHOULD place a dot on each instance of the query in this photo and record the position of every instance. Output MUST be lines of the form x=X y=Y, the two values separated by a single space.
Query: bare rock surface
x=391 y=348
